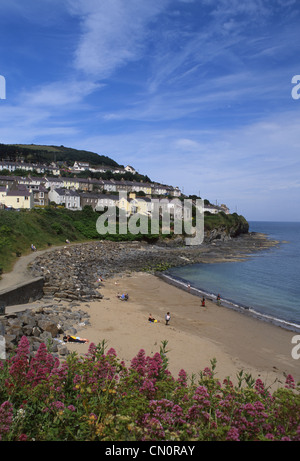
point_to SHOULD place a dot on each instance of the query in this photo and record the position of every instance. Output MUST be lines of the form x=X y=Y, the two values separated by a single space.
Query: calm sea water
x=267 y=284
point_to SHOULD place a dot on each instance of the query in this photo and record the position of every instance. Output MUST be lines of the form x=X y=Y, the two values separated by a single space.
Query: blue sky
x=194 y=93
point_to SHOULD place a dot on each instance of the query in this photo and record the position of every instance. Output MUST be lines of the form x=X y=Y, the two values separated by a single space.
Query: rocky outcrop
x=224 y=233
x=43 y=324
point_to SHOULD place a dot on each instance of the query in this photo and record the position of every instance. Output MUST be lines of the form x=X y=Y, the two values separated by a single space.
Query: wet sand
x=195 y=335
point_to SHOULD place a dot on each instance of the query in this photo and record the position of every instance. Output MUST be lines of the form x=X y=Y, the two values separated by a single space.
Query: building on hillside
x=100 y=169
x=130 y=169
x=40 y=196
x=139 y=186
x=97 y=201
x=8 y=180
x=16 y=197
x=53 y=183
x=67 y=197
x=109 y=185
x=80 y=166
x=159 y=189
x=70 y=183
x=32 y=183
x=141 y=205
x=39 y=168
x=13 y=166
x=105 y=201
x=118 y=170
x=3 y=191
x=215 y=209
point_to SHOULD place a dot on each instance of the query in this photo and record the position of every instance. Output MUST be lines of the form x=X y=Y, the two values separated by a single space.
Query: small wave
x=183 y=284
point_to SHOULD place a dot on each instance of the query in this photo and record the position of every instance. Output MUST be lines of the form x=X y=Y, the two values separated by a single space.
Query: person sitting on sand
x=123 y=297
x=152 y=319
x=74 y=339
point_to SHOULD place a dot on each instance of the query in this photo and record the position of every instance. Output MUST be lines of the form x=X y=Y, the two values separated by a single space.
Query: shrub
x=97 y=397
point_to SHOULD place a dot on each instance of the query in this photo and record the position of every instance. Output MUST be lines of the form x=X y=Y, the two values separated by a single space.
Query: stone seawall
x=22 y=293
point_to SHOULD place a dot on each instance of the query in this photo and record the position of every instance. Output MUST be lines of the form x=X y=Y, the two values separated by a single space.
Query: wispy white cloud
x=113 y=33
x=60 y=94
x=43 y=12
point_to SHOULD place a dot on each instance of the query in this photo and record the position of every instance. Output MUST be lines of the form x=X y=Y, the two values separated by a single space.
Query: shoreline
x=230 y=304
x=195 y=335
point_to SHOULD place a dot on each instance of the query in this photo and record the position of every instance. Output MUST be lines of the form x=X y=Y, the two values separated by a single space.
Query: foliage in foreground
x=96 y=397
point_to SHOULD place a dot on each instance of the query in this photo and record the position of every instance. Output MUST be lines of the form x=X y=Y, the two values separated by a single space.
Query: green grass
x=213 y=221
x=45 y=227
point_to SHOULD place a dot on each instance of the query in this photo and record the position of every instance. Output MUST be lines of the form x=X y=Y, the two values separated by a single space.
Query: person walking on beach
x=167 y=318
x=218 y=300
x=203 y=302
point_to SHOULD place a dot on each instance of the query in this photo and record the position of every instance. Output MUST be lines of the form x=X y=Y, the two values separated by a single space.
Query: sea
x=266 y=285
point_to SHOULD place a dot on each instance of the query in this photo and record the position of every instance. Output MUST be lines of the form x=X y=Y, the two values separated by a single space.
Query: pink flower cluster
x=96 y=397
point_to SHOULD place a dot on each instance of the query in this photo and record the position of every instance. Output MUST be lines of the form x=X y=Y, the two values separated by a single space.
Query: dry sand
x=195 y=334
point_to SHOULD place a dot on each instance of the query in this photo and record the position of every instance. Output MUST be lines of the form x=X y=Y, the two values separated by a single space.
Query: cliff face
x=224 y=227
x=224 y=232
x=216 y=228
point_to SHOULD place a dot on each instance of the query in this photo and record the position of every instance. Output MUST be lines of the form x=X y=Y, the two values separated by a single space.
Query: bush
x=96 y=397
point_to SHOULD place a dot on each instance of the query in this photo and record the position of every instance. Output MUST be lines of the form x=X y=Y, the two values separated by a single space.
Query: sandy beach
x=195 y=335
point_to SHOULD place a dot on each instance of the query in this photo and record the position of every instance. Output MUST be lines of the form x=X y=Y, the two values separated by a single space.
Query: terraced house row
x=42 y=190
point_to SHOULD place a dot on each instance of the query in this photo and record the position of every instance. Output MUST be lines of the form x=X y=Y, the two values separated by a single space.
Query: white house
x=130 y=169
x=109 y=185
x=69 y=198
x=53 y=183
x=33 y=183
x=159 y=189
x=215 y=209
x=106 y=200
x=81 y=166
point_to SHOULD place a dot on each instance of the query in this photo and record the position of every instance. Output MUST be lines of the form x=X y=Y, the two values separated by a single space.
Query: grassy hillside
x=42 y=227
x=232 y=222
x=49 y=226
x=45 y=227
x=40 y=154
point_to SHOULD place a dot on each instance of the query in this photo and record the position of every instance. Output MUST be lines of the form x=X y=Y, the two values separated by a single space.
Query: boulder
x=49 y=326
